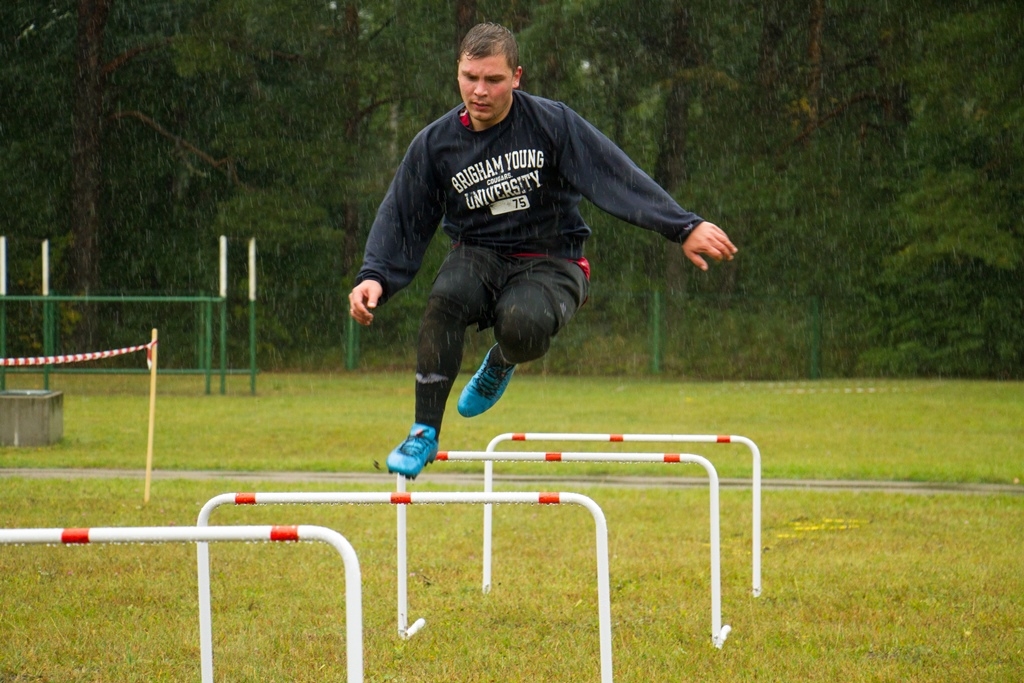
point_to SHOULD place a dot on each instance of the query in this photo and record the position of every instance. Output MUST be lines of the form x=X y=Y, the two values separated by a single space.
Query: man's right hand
x=363 y=299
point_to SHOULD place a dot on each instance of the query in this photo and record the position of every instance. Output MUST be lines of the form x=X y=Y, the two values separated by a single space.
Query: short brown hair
x=487 y=40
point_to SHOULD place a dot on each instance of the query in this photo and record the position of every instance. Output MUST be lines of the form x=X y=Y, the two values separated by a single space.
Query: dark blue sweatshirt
x=514 y=188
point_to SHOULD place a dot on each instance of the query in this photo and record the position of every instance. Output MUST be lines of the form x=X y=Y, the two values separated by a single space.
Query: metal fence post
x=3 y=340
x=223 y=313
x=351 y=344
x=3 y=309
x=47 y=328
x=252 y=316
x=223 y=345
x=208 y=340
x=656 y=331
x=815 y=369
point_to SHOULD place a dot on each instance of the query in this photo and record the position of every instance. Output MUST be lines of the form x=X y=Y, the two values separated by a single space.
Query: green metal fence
x=43 y=322
x=45 y=311
x=650 y=332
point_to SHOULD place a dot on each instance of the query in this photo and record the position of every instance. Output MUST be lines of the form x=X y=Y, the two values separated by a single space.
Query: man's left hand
x=710 y=240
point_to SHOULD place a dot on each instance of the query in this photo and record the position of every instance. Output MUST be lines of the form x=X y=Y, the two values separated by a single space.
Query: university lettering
x=491 y=169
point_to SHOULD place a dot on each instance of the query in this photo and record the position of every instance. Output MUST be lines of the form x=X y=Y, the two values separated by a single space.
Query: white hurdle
x=755 y=453
x=204 y=535
x=718 y=632
x=401 y=499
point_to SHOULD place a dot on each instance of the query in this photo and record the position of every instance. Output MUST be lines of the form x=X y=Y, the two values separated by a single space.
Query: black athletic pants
x=526 y=299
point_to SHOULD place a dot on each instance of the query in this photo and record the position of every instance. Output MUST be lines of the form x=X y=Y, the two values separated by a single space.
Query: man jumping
x=503 y=174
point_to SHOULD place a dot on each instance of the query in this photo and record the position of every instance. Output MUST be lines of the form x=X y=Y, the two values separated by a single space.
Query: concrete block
x=31 y=417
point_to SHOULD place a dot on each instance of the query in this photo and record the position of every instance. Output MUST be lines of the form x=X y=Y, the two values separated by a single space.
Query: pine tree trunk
x=670 y=167
x=465 y=19
x=815 y=28
x=86 y=145
x=87 y=162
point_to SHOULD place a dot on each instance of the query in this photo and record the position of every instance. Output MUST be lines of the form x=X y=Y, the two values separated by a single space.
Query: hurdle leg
x=488 y=521
x=404 y=630
x=718 y=632
x=756 y=513
x=205 y=613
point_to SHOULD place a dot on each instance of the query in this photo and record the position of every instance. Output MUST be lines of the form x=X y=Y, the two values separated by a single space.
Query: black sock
x=438 y=360
x=495 y=358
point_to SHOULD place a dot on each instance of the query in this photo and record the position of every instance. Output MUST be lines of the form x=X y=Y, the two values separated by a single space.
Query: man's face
x=486 y=84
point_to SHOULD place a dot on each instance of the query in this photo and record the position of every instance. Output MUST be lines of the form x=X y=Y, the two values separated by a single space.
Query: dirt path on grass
x=562 y=483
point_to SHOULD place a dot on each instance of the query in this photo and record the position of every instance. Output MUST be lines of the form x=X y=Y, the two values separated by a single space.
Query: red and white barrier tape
x=80 y=357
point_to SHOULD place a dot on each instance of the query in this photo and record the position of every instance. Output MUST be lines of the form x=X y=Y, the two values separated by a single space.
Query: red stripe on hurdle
x=553 y=457
x=519 y=437
x=284 y=533
x=724 y=439
x=74 y=536
x=671 y=457
x=548 y=499
x=245 y=499
x=441 y=455
x=398 y=498
x=616 y=437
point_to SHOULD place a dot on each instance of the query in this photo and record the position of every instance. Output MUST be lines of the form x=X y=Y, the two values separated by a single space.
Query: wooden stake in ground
x=151 y=356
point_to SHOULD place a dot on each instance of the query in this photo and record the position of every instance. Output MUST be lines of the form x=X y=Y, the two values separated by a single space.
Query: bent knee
x=523 y=337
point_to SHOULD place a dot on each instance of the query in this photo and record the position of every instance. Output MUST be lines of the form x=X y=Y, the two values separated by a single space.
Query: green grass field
x=844 y=429
x=857 y=586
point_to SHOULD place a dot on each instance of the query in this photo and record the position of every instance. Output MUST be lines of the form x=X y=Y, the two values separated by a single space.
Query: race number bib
x=509 y=205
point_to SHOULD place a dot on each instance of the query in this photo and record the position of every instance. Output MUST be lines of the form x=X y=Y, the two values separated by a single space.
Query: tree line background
x=866 y=157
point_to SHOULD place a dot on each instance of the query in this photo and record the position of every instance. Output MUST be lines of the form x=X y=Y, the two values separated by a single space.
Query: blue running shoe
x=485 y=388
x=415 y=453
